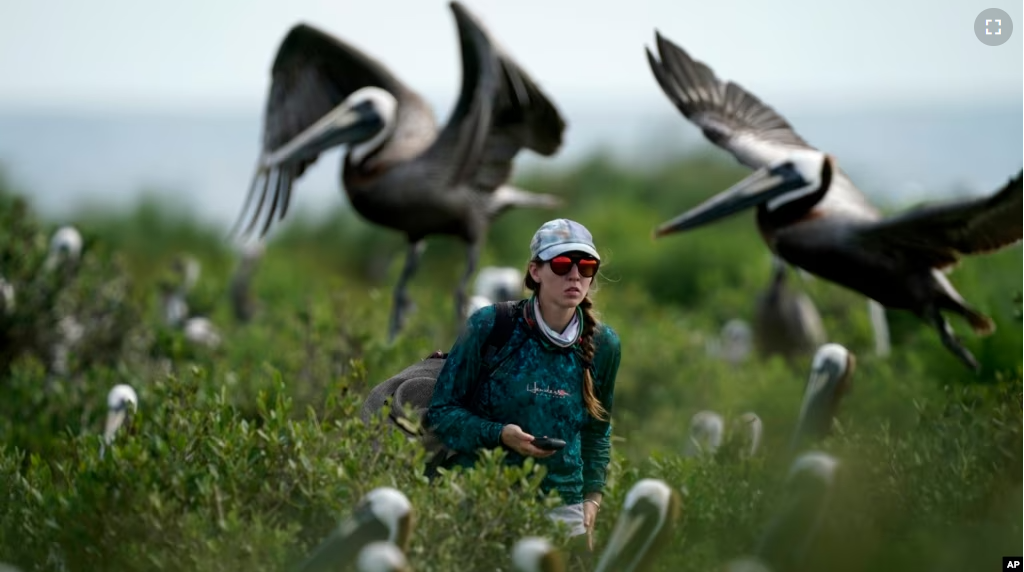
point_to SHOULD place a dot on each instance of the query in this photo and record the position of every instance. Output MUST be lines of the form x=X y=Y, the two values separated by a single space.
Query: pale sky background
x=100 y=99
x=202 y=53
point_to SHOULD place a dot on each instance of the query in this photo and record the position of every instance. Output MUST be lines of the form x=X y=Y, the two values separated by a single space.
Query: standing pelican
x=499 y=283
x=707 y=429
x=830 y=379
x=535 y=554
x=784 y=543
x=786 y=322
x=749 y=429
x=646 y=522
x=121 y=400
x=401 y=171
x=809 y=489
x=811 y=214
x=65 y=249
x=6 y=297
x=384 y=514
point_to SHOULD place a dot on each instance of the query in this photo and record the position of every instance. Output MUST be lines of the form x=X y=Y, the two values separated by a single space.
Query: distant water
x=205 y=160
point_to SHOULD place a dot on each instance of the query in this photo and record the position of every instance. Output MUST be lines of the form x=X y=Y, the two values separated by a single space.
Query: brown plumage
x=812 y=215
x=400 y=170
x=786 y=321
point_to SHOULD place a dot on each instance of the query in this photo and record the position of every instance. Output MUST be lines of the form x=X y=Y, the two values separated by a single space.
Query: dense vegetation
x=243 y=456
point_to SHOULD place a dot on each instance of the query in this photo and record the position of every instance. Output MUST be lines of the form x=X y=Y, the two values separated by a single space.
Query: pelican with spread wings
x=401 y=170
x=812 y=215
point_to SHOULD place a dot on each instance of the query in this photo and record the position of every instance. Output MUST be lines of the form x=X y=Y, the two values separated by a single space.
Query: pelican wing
x=312 y=74
x=938 y=234
x=522 y=117
x=730 y=116
x=500 y=111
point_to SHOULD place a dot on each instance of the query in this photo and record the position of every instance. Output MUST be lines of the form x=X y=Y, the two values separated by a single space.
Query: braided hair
x=590 y=400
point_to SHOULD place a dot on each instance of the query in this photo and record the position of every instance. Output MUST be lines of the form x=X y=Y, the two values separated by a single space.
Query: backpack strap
x=501 y=332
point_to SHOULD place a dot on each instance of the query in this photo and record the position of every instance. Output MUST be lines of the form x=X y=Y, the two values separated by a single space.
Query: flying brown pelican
x=811 y=214
x=401 y=171
x=786 y=322
x=646 y=522
x=535 y=554
x=830 y=380
x=384 y=514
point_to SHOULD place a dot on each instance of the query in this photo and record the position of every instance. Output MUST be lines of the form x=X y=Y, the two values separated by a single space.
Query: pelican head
x=831 y=372
x=187 y=268
x=384 y=514
x=706 y=431
x=121 y=400
x=364 y=120
x=382 y=556
x=65 y=246
x=6 y=297
x=802 y=173
x=200 y=330
x=745 y=564
x=499 y=284
x=750 y=428
x=535 y=554
x=737 y=340
x=475 y=303
x=809 y=487
x=648 y=517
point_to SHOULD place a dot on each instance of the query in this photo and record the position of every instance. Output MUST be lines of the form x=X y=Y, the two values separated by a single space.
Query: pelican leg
x=402 y=304
x=949 y=339
x=472 y=259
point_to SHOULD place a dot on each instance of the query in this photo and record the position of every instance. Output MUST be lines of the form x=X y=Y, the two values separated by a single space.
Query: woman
x=540 y=384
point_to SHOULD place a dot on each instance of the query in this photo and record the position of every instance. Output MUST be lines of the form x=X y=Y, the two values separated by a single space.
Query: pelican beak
x=344 y=544
x=115 y=417
x=622 y=546
x=346 y=124
x=760 y=187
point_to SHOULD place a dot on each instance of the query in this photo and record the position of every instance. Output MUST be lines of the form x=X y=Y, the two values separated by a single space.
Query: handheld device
x=548 y=443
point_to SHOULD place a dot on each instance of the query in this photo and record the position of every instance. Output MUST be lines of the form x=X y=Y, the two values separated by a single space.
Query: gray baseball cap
x=560 y=236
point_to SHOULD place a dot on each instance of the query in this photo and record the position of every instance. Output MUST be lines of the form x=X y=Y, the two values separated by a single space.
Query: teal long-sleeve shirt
x=537 y=386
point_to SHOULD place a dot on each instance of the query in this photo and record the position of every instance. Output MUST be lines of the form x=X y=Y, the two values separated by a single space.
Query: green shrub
x=246 y=455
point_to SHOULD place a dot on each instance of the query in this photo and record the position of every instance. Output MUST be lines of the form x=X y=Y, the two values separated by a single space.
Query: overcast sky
x=124 y=54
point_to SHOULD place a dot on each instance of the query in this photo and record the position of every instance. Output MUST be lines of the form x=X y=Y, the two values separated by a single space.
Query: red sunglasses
x=562 y=265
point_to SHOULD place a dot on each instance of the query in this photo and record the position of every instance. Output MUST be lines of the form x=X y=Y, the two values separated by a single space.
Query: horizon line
x=793 y=102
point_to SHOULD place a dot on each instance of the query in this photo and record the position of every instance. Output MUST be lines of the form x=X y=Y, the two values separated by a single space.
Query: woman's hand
x=519 y=441
x=591 y=506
